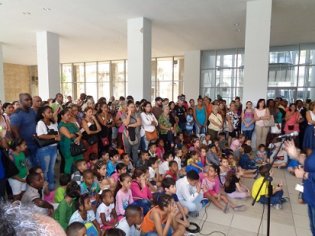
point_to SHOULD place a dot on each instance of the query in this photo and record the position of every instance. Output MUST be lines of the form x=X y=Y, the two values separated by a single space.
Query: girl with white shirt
x=149 y=123
x=47 y=129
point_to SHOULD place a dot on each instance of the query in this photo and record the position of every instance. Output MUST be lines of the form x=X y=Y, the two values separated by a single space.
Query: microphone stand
x=269 y=179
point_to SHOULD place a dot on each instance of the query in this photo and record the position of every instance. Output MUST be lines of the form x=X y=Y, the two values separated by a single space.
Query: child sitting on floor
x=143 y=160
x=276 y=198
x=124 y=158
x=164 y=166
x=124 y=195
x=106 y=215
x=128 y=224
x=111 y=164
x=66 y=207
x=60 y=192
x=211 y=187
x=90 y=186
x=245 y=161
x=261 y=154
x=233 y=187
x=173 y=171
x=194 y=163
x=81 y=166
x=121 y=168
x=100 y=173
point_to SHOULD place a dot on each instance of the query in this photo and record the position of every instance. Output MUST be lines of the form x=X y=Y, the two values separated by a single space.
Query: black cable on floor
x=207 y=234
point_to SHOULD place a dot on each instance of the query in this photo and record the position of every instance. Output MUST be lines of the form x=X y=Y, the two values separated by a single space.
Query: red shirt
x=169 y=173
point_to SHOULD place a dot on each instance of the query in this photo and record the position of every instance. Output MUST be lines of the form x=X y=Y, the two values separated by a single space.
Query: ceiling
x=93 y=30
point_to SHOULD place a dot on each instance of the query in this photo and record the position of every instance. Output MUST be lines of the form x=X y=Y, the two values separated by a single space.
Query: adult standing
x=180 y=113
x=308 y=175
x=69 y=133
x=309 y=138
x=166 y=128
x=261 y=115
x=37 y=103
x=23 y=125
x=131 y=135
x=233 y=122
x=47 y=129
x=278 y=118
x=157 y=109
x=248 y=120
x=303 y=124
x=215 y=122
x=292 y=121
x=149 y=123
x=106 y=121
x=200 y=116
x=91 y=128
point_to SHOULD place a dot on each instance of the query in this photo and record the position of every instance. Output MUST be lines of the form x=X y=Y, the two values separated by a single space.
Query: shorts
x=17 y=186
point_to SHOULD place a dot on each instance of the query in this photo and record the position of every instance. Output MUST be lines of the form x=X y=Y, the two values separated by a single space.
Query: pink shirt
x=123 y=199
x=140 y=193
x=212 y=186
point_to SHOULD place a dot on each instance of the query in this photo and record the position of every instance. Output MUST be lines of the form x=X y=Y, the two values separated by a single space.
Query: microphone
x=290 y=135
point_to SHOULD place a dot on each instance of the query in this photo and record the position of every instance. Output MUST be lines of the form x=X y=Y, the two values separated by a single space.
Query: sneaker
x=278 y=206
x=193 y=214
x=284 y=199
x=204 y=202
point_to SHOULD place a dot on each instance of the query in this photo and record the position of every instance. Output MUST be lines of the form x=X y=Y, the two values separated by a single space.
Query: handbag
x=151 y=135
x=105 y=141
x=77 y=149
x=9 y=166
x=91 y=139
x=270 y=122
x=276 y=129
x=46 y=142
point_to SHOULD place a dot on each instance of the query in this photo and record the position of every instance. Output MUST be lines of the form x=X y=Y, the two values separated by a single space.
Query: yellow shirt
x=256 y=186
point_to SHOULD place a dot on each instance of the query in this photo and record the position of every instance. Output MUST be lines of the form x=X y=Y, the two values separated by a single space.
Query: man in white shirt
x=189 y=192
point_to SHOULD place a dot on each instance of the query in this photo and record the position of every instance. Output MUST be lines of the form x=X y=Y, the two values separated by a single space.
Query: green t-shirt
x=64 y=212
x=59 y=194
x=165 y=121
x=20 y=163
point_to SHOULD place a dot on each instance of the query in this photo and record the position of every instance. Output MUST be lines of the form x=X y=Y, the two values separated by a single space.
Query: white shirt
x=42 y=129
x=184 y=191
x=179 y=162
x=107 y=210
x=163 y=167
x=146 y=121
x=129 y=230
x=76 y=217
x=151 y=173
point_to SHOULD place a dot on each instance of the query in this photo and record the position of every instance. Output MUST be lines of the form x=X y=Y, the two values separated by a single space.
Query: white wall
x=257 y=40
x=192 y=74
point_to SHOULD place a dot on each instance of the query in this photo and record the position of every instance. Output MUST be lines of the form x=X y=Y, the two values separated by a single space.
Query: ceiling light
x=236 y=24
x=46 y=9
x=238 y=30
x=26 y=13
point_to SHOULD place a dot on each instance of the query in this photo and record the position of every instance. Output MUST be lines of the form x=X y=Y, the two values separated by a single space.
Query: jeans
x=2 y=189
x=311 y=215
x=194 y=205
x=132 y=150
x=144 y=143
x=275 y=198
x=248 y=134
x=32 y=155
x=47 y=157
x=144 y=204
x=200 y=130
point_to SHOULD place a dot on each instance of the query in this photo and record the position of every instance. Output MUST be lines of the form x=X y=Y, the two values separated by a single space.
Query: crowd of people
x=130 y=168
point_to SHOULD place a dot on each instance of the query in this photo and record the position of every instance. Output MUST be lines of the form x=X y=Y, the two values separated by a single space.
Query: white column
x=139 y=58
x=257 y=40
x=2 y=91
x=48 y=64
x=192 y=74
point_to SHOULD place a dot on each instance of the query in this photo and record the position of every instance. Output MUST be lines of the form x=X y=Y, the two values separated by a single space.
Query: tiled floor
x=291 y=220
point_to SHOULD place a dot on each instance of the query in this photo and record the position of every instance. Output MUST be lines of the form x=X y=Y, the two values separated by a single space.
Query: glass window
x=91 y=89
x=66 y=73
x=104 y=90
x=282 y=75
x=103 y=72
x=90 y=72
x=78 y=89
x=208 y=59
x=78 y=75
x=164 y=69
x=66 y=89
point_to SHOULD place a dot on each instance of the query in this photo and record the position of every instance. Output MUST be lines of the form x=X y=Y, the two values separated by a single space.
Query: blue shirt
x=110 y=169
x=309 y=183
x=25 y=122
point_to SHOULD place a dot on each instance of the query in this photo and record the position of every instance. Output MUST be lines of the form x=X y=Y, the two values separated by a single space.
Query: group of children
x=154 y=196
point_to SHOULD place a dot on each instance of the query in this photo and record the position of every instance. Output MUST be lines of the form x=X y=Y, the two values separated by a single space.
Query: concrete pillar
x=139 y=58
x=192 y=74
x=2 y=91
x=257 y=40
x=48 y=64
